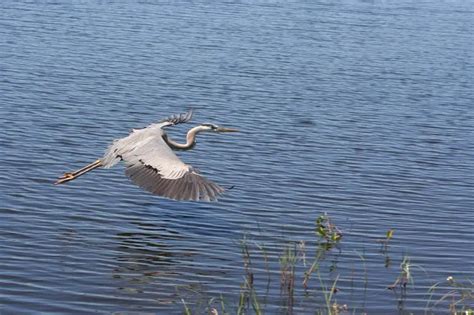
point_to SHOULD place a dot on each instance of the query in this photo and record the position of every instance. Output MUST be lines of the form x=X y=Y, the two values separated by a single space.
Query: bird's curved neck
x=190 y=140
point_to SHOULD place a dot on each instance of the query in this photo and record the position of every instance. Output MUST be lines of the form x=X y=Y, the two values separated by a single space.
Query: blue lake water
x=361 y=109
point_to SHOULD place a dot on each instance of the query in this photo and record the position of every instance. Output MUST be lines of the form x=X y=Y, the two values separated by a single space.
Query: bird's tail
x=73 y=175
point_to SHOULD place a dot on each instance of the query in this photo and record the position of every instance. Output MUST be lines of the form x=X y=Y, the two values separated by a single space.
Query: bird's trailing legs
x=73 y=175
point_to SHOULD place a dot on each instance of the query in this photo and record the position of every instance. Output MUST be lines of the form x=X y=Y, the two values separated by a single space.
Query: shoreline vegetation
x=305 y=278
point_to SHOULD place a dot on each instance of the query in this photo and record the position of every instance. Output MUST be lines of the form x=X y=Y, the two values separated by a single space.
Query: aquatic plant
x=328 y=231
x=248 y=295
x=458 y=294
x=308 y=277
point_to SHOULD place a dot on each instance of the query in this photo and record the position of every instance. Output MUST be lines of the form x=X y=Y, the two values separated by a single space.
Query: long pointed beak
x=223 y=129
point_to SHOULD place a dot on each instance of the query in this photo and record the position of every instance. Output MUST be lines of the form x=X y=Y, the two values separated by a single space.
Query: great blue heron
x=152 y=165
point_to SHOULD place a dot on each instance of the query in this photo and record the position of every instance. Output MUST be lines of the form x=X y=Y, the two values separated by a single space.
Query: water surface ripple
x=362 y=109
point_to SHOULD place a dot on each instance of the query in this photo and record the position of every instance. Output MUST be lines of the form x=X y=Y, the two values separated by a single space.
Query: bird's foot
x=65 y=178
x=68 y=176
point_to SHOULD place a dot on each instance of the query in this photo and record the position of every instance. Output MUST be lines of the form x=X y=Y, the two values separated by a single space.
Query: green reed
x=301 y=276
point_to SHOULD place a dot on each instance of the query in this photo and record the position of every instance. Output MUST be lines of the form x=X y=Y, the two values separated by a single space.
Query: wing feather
x=180 y=118
x=152 y=164
x=158 y=170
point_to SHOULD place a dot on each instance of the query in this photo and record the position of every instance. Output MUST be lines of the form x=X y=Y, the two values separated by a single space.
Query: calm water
x=360 y=109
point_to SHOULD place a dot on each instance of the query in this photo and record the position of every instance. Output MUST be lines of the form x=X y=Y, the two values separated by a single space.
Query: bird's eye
x=213 y=127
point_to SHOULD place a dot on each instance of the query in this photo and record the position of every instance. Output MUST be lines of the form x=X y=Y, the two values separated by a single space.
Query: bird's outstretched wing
x=154 y=167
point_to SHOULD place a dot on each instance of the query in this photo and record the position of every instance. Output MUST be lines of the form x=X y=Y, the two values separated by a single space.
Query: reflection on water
x=145 y=260
x=144 y=255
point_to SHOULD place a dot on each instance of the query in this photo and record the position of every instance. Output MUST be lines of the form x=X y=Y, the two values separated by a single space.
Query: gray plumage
x=151 y=163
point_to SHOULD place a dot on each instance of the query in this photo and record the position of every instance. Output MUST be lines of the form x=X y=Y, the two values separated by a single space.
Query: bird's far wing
x=154 y=167
x=180 y=118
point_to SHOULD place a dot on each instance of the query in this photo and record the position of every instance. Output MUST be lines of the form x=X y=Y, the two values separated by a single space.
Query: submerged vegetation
x=304 y=276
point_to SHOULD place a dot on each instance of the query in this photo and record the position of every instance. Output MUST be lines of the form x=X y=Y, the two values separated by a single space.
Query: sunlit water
x=360 y=109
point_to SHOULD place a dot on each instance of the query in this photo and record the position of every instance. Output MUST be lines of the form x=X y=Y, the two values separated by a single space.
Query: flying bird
x=151 y=163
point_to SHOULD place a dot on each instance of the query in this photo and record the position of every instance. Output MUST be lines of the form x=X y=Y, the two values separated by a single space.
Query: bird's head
x=215 y=128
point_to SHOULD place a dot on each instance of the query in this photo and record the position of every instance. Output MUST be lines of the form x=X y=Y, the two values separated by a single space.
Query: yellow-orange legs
x=73 y=175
